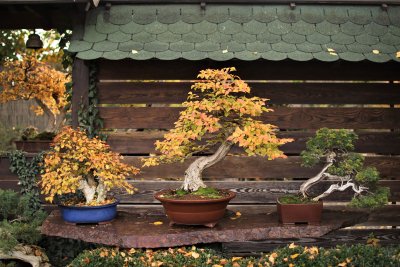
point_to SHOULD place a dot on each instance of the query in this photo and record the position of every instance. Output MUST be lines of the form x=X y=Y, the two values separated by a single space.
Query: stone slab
x=136 y=229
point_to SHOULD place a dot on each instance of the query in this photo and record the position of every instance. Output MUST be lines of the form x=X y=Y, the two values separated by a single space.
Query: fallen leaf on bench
x=237 y=215
x=157 y=223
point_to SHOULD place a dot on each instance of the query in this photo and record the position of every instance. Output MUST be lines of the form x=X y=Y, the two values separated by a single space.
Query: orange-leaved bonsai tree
x=78 y=164
x=30 y=78
x=218 y=113
x=218 y=109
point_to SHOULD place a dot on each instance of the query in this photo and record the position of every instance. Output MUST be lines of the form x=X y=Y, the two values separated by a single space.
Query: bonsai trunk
x=55 y=121
x=193 y=175
x=88 y=188
x=317 y=178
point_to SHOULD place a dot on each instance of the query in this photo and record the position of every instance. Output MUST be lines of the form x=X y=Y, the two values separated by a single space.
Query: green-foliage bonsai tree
x=218 y=113
x=335 y=149
x=19 y=229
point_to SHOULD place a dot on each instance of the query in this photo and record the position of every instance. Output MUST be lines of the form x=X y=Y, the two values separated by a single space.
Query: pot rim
x=199 y=201
x=116 y=202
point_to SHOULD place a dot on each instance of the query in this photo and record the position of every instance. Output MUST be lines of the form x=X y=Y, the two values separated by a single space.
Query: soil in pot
x=197 y=208
x=294 y=210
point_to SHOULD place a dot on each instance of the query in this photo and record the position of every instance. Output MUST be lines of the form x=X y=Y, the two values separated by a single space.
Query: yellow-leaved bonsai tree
x=218 y=113
x=28 y=78
x=78 y=163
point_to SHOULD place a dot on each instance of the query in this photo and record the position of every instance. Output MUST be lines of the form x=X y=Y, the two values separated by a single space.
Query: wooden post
x=80 y=88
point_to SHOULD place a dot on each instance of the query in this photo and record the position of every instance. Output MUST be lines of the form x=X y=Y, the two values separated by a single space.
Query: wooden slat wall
x=144 y=96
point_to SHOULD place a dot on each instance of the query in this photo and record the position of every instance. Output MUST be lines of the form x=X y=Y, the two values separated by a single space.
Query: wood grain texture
x=252 y=70
x=278 y=93
x=368 y=142
x=257 y=192
x=258 y=168
x=284 y=118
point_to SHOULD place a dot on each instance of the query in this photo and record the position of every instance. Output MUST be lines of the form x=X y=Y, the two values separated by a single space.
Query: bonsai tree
x=29 y=78
x=334 y=148
x=20 y=229
x=218 y=113
x=77 y=162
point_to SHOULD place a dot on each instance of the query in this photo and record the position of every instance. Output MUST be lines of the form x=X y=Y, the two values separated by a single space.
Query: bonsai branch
x=317 y=178
x=193 y=175
x=341 y=187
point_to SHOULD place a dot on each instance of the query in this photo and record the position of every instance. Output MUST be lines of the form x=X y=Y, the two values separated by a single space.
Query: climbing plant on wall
x=88 y=115
x=27 y=171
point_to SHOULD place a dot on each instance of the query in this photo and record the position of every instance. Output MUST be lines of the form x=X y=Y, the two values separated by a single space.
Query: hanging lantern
x=34 y=41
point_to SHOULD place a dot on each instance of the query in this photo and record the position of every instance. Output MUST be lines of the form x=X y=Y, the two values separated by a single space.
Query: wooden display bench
x=136 y=228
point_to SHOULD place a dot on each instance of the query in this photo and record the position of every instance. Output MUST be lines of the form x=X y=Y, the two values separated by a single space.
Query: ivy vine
x=27 y=171
x=88 y=115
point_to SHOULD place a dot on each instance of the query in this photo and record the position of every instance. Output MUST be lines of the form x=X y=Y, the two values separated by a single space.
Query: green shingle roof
x=245 y=32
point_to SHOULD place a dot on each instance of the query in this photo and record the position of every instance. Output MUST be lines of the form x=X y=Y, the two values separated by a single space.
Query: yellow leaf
x=217 y=265
x=272 y=257
x=158 y=223
x=294 y=255
x=236 y=258
x=291 y=265
x=123 y=254
x=195 y=255
x=238 y=213
x=342 y=264
x=292 y=245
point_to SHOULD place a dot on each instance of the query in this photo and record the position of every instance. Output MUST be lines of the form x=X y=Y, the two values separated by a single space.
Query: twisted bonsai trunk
x=88 y=188
x=346 y=181
x=193 y=175
x=319 y=177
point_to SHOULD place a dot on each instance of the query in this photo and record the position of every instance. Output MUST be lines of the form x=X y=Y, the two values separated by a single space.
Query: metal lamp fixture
x=34 y=41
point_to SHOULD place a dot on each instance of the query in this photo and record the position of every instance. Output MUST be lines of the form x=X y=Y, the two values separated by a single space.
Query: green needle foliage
x=19 y=221
x=347 y=165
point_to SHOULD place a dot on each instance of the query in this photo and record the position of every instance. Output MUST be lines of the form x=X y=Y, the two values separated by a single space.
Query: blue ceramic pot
x=89 y=214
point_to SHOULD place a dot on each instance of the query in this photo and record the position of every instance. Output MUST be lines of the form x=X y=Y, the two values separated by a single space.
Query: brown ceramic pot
x=205 y=212
x=33 y=146
x=300 y=213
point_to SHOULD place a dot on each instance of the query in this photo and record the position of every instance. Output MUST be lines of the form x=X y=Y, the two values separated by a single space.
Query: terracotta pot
x=205 y=212
x=300 y=213
x=33 y=146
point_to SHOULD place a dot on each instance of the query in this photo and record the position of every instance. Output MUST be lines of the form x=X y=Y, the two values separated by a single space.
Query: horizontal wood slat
x=5 y=173
x=278 y=93
x=265 y=192
x=253 y=70
x=143 y=142
x=257 y=168
x=9 y=184
x=286 y=118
